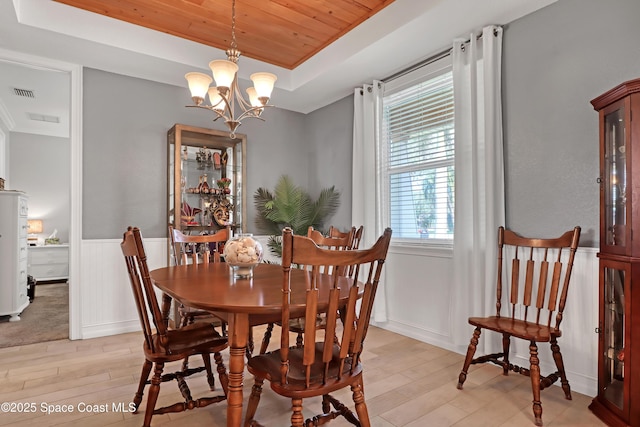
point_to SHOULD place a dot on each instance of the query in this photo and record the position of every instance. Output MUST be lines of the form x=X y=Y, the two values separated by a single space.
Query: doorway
x=74 y=74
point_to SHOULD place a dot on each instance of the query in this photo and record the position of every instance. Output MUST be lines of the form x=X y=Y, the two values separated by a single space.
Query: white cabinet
x=13 y=253
x=49 y=262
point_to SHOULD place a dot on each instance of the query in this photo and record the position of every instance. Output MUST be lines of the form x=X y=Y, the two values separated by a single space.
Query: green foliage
x=291 y=206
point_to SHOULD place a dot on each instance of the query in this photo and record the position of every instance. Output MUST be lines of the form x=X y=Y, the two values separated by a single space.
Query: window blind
x=418 y=159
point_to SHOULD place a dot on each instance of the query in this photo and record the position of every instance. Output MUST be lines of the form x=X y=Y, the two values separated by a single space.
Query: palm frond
x=263 y=200
x=327 y=204
x=291 y=206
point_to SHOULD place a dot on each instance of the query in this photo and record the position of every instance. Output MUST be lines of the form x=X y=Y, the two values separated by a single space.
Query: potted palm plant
x=291 y=206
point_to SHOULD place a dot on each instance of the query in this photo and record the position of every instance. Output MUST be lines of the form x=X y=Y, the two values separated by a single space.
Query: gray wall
x=555 y=61
x=330 y=130
x=125 y=152
x=41 y=168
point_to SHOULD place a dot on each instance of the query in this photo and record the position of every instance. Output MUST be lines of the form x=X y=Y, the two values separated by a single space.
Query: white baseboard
x=112 y=328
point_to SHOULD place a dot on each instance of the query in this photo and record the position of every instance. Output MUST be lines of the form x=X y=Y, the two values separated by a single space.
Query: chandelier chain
x=234 y=45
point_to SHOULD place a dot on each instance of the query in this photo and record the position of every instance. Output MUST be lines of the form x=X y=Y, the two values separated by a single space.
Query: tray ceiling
x=279 y=32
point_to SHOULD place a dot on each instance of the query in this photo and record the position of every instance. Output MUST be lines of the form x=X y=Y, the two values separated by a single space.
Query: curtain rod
x=433 y=58
x=423 y=63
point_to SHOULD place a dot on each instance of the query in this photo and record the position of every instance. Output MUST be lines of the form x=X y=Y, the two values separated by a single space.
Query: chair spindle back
x=142 y=286
x=538 y=275
x=186 y=247
x=367 y=264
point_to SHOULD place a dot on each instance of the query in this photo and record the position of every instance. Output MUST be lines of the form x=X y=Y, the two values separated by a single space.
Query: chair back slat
x=310 y=329
x=515 y=280
x=528 y=283
x=542 y=284
x=550 y=288
x=304 y=251
x=362 y=321
x=555 y=286
x=331 y=324
x=357 y=237
x=142 y=287
x=348 y=325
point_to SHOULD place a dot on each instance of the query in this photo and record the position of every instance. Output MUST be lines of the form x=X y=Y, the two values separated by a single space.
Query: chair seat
x=517 y=328
x=269 y=365
x=192 y=339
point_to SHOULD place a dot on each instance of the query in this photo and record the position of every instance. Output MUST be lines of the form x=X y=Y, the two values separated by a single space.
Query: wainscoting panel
x=418 y=303
x=107 y=305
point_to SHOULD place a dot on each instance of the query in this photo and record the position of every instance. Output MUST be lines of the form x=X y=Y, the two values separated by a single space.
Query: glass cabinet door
x=613 y=337
x=615 y=180
x=206 y=176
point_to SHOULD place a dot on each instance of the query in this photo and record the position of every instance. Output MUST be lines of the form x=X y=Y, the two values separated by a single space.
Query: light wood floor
x=415 y=388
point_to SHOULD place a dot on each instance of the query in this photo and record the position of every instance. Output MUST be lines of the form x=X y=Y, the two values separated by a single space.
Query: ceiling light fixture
x=224 y=96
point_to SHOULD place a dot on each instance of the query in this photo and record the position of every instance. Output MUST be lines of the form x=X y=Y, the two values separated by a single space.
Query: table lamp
x=34 y=227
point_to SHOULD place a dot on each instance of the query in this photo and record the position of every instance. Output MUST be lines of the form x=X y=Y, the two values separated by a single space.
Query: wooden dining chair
x=340 y=241
x=322 y=367
x=356 y=235
x=536 y=276
x=162 y=345
x=191 y=249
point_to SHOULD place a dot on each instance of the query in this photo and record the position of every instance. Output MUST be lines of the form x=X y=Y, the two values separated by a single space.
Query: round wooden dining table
x=241 y=303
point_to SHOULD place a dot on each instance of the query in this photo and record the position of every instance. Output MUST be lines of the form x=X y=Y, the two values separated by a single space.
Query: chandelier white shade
x=224 y=96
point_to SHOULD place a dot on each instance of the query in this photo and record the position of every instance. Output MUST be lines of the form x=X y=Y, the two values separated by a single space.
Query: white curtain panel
x=479 y=165
x=364 y=204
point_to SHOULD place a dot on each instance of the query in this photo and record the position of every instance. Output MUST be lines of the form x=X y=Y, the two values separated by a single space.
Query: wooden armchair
x=163 y=345
x=537 y=281
x=187 y=248
x=323 y=367
x=340 y=241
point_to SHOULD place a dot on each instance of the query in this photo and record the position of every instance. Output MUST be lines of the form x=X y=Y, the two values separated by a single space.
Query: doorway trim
x=75 y=187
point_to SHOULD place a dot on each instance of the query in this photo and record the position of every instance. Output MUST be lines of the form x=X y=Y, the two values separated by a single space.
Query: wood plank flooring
x=415 y=388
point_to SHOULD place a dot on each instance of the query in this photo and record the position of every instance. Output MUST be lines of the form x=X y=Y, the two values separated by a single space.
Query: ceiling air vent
x=43 y=118
x=24 y=92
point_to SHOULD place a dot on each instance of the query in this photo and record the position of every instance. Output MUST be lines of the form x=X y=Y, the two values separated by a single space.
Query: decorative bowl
x=242 y=253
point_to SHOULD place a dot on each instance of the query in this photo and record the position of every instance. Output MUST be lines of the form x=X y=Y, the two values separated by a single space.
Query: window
x=417 y=158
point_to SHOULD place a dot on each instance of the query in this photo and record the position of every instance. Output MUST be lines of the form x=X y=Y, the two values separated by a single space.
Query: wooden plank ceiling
x=281 y=32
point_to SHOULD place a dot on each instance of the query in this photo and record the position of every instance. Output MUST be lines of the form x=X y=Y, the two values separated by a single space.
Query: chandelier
x=226 y=94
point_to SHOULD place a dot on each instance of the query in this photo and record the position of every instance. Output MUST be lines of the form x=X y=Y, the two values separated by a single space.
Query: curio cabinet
x=618 y=400
x=206 y=176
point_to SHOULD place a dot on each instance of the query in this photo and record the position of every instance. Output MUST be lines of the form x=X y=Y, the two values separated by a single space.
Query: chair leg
x=222 y=372
x=154 y=390
x=361 y=406
x=299 y=340
x=471 y=350
x=534 y=373
x=557 y=357
x=206 y=358
x=254 y=400
x=250 y=344
x=223 y=329
x=144 y=376
x=506 y=344
x=297 y=420
x=266 y=338
x=326 y=404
